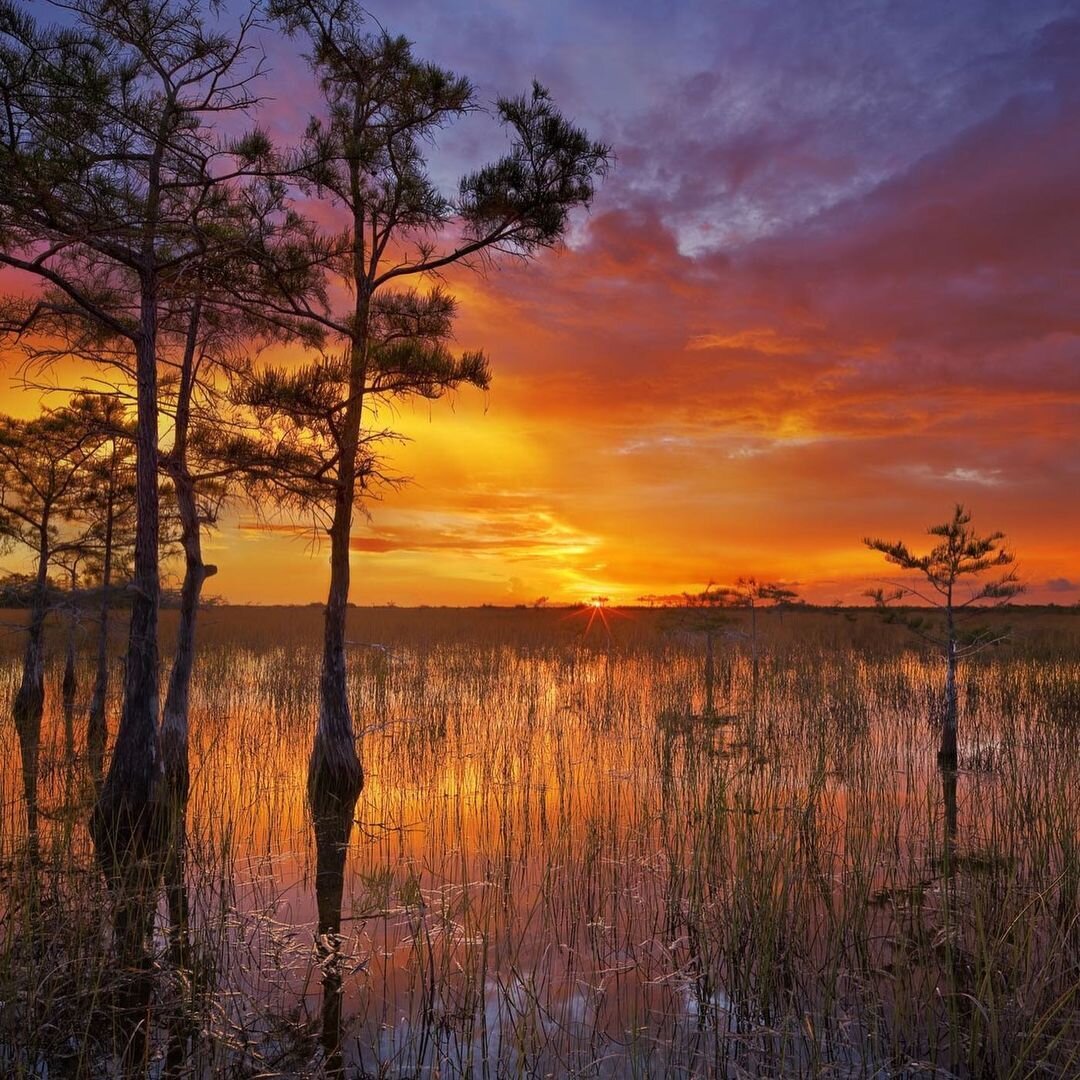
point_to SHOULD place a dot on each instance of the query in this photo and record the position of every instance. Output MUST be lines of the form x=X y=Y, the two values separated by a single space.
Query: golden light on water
x=545 y=821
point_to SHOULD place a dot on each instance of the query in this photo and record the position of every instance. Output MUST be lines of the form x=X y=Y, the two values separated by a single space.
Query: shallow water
x=557 y=870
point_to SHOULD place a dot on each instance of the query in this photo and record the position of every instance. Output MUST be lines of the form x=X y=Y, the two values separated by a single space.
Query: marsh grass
x=558 y=871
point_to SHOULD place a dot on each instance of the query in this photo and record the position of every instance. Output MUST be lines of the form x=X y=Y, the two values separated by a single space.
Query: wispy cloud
x=1062 y=585
x=831 y=287
x=955 y=476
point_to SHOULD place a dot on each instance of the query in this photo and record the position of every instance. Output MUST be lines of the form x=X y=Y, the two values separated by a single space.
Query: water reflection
x=948 y=802
x=554 y=876
x=333 y=823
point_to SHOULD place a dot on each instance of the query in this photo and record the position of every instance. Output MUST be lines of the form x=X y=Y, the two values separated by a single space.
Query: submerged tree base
x=27 y=711
x=130 y=842
x=947 y=752
x=127 y=829
x=335 y=777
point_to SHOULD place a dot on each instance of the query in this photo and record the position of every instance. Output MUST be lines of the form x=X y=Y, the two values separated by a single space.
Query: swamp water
x=559 y=867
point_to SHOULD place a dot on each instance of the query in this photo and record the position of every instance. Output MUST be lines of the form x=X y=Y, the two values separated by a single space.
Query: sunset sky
x=831 y=287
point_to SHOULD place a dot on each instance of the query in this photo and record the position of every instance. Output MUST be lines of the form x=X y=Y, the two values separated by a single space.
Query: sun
x=597 y=609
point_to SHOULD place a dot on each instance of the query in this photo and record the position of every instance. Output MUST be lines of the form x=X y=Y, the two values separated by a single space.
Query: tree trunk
x=96 y=728
x=29 y=703
x=334 y=771
x=710 y=674
x=335 y=779
x=947 y=753
x=69 y=686
x=948 y=794
x=174 y=724
x=126 y=822
x=335 y=776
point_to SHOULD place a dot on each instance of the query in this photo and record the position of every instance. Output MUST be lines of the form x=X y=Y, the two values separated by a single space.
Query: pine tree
x=960 y=554
x=366 y=156
x=109 y=170
x=43 y=469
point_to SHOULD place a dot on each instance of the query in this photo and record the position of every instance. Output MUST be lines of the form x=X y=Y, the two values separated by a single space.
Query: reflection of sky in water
x=553 y=870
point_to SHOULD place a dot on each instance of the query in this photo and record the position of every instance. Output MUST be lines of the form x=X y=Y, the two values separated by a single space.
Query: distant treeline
x=17 y=593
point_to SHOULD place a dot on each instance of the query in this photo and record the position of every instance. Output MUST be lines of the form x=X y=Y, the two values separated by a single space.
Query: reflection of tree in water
x=948 y=801
x=333 y=820
x=959 y=970
x=136 y=852
x=181 y=954
x=137 y=857
x=133 y=876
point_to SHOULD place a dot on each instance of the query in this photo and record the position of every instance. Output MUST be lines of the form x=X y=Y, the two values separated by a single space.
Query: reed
x=560 y=868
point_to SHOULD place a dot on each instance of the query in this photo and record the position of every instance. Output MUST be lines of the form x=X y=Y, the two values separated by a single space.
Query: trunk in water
x=69 y=686
x=710 y=674
x=29 y=703
x=334 y=772
x=335 y=776
x=175 y=875
x=96 y=729
x=947 y=755
x=174 y=724
x=948 y=794
x=127 y=823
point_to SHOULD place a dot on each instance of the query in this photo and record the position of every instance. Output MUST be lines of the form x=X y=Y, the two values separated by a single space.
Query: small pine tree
x=959 y=555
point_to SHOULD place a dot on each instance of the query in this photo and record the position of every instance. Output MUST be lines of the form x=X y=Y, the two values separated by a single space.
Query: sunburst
x=598 y=609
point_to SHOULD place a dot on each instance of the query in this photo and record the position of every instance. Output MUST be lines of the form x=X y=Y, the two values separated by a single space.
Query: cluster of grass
x=562 y=868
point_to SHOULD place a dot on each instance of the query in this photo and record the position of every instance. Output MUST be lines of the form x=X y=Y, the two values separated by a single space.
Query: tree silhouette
x=42 y=465
x=753 y=595
x=365 y=155
x=212 y=452
x=960 y=554
x=107 y=509
x=707 y=613
x=72 y=562
x=204 y=347
x=107 y=170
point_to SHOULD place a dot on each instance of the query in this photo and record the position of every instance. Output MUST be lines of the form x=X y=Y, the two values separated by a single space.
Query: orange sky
x=832 y=288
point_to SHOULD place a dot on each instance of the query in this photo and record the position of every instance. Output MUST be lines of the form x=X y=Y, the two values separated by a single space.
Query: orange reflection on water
x=558 y=864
